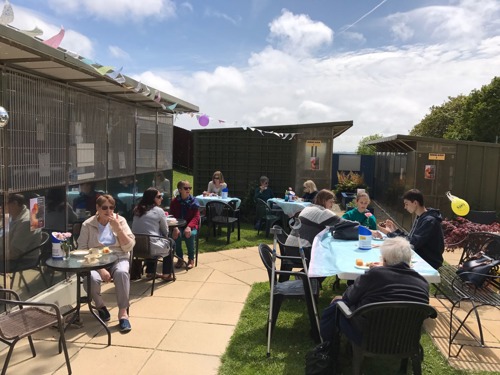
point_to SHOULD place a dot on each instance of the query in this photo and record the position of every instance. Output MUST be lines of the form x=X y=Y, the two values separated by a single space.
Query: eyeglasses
x=187 y=187
x=159 y=196
x=104 y=208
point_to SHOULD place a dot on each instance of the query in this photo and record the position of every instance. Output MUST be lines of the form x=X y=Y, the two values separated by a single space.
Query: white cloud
x=118 y=53
x=298 y=34
x=116 y=10
x=386 y=90
x=187 y=5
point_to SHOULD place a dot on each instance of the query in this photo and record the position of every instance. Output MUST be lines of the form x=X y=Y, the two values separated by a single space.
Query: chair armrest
x=22 y=304
x=291 y=273
x=344 y=309
x=10 y=291
x=288 y=257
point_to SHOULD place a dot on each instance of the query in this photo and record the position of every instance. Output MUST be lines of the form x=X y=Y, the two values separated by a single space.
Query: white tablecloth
x=338 y=257
x=290 y=208
x=204 y=200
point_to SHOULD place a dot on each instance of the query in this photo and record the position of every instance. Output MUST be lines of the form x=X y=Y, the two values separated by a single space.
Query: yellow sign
x=313 y=143
x=437 y=156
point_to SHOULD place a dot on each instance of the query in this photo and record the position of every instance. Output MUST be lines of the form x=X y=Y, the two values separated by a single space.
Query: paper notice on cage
x=85 y=155
x=44 y=165
x=121 y=160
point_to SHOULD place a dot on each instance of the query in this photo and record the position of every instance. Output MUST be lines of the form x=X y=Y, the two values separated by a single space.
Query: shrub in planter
x=348 y=183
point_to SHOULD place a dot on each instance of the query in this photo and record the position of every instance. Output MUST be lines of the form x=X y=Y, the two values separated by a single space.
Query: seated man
x=393 y=281
x=426 y=234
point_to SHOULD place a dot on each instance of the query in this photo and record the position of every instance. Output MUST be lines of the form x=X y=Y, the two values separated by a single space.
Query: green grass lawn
x=246 y=353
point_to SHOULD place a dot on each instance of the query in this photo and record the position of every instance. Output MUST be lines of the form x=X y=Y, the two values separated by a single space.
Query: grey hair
x=396 y=250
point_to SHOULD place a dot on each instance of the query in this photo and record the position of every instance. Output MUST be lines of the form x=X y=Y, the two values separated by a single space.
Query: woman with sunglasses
x=186 y=207
x=217 y=184
x=149 y=218
x=106 y=228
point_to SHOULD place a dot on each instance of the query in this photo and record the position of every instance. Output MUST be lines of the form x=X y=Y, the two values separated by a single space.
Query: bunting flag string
x=7 y=15
x=56 y=40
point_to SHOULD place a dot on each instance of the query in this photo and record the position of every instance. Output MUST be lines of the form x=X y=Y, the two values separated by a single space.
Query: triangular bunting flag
x=35 y=32
x=56 y=40
x=104 y=69
x=7 y=14
x=172 y=107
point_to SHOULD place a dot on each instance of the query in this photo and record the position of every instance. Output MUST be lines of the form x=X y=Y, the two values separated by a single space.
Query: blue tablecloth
x=290 y=208
x=338 y=257
x=204 y=200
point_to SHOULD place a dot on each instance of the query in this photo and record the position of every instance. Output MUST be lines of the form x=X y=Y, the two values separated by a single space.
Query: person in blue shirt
x=360 y=213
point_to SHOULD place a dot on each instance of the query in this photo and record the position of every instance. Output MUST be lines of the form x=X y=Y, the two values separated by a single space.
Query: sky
x=380 y=63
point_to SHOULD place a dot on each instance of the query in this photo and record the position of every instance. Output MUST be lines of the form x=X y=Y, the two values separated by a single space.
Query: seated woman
x=310 y=191
x=314 y=219
x=263 y=192
x=186 y=207
x=106 y=228
x=149 y=218
x=360 y=213
x=217 y=184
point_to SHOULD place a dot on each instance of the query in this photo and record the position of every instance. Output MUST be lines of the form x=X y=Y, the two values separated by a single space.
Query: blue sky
x=379 y=63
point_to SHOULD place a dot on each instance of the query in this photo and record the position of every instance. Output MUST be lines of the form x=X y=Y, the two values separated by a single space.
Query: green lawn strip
x=246 y=353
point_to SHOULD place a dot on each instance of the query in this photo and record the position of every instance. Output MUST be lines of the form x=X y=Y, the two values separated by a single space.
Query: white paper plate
x=79 y=252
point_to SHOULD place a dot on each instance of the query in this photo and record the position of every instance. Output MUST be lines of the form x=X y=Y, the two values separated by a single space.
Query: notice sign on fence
x=437 y=156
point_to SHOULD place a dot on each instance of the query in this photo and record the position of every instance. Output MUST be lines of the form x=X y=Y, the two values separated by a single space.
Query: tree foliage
x=474 y=117
x=441 y=118
x=363 y=148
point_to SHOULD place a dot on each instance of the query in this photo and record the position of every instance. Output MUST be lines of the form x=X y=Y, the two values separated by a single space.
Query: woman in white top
x=217 y=184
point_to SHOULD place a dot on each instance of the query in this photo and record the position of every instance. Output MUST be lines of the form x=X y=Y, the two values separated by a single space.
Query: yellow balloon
x=460 y=207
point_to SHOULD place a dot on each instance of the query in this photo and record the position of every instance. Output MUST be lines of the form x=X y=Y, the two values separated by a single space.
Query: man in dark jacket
x=393 y=281
x=426 y=234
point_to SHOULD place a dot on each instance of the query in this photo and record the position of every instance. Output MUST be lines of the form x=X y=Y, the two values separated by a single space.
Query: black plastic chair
x=298 y=288
x=142 y=251
x=265 y=216
x=23 y=319
x=388 y=329
x=221 y=214
x=488 y=243
x=31 y=263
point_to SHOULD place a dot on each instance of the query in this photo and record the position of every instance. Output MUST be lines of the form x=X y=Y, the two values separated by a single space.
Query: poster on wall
x=37 y=213
x=314 y=157
x=430 y=172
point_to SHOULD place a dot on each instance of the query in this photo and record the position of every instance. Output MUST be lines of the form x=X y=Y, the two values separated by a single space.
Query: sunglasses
x=159 y=196
x=216 y=178
x=104 y=208
x=187 y=187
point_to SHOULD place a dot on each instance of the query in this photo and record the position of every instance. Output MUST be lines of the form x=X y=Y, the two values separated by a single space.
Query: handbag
x=320 y=360
x=476 y=269
x=345 y=230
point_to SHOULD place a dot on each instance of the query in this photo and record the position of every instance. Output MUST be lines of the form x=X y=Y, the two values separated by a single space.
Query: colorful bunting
x=172 y=107
x=56 y=40
x=104 y=69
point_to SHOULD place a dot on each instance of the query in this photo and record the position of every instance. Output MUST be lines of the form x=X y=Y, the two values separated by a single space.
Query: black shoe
x=104 y=314
x=125 y=325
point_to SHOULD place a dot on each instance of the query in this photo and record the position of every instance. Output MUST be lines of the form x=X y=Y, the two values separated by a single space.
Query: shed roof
x=25 y=53
x=407 y=143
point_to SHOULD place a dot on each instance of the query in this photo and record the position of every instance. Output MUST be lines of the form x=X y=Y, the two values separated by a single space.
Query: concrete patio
x=185 y=327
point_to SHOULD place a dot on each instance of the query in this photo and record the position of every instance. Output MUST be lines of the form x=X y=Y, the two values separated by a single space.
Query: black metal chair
x=221 y=214
x=298 y=288
x=488 y=243
x=388 y=329
x=142 y=251
x=265 y=216
x=31 y=262
x=22 y=319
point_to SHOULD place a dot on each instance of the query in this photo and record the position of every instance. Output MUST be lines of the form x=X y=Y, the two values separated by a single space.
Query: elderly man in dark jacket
x=393 y=281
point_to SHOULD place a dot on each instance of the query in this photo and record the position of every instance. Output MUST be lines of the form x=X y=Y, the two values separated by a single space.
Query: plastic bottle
x=365 y=238
x=57 y=251
x=225 y=193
